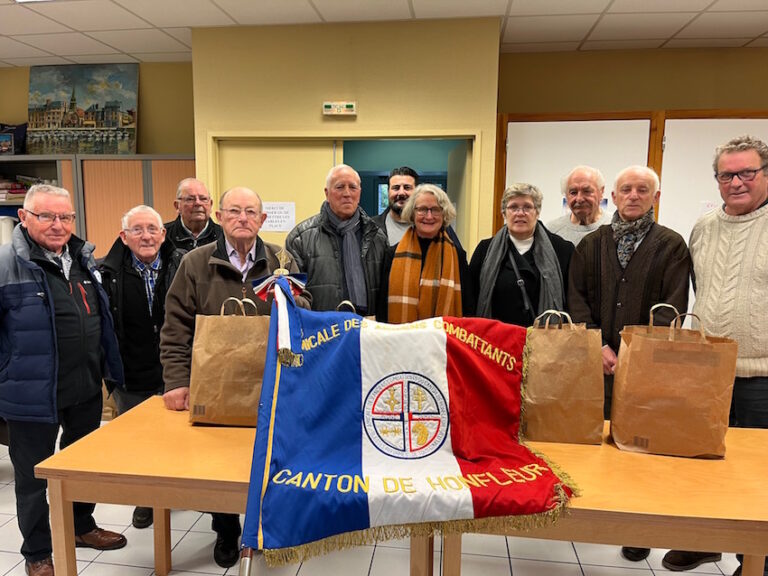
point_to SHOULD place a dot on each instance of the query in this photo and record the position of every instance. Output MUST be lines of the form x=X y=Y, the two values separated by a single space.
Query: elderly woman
x=425 y=274
x=523 y=269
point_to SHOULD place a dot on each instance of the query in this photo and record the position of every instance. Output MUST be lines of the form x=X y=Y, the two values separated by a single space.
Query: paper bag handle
x=240 y=304
x=677 y=323
x=656 y=306
x=549 y=314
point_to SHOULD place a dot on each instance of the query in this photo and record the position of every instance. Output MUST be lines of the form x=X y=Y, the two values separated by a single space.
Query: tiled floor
x=192 y=541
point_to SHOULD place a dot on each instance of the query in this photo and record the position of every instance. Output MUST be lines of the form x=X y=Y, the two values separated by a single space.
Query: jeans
x=30 y=444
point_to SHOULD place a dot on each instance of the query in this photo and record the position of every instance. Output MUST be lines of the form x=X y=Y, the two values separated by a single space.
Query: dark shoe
x=40 y=568
x=226 y=552
x=679 y=560
x=142 y=517
x=635 y=554
x=100 y=539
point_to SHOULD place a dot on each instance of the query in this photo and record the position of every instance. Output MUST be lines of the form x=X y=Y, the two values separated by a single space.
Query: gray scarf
x=551 y=289
x=628 y=234
x=354 y=275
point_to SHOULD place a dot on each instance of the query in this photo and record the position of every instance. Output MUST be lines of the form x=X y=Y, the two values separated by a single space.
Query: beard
x=395 y=207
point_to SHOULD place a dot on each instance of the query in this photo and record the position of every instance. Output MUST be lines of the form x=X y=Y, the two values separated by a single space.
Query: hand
x=177 y=399
x=609 y=361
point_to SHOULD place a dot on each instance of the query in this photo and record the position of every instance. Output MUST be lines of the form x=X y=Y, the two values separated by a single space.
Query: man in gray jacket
x=341 y=249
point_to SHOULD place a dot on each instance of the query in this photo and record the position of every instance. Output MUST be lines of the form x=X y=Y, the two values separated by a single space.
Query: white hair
x=337 y=168
x=594 y=173
x=140 y=209
x=29 y=198
x=185 y=183
x=650 y=173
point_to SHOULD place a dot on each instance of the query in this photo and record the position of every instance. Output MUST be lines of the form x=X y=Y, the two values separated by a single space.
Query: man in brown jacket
x=619 y=271
x=206 y=277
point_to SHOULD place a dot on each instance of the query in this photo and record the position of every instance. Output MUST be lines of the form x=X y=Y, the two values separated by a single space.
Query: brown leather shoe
x=40 y=568
x=100 y=539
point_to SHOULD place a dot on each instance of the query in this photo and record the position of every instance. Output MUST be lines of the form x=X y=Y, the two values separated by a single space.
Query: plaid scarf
x=627 y=235
x=416 y=291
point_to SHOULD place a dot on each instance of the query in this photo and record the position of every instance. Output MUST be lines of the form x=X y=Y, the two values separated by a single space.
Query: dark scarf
x=551 y=291
x=354 y=275
x=628 y=234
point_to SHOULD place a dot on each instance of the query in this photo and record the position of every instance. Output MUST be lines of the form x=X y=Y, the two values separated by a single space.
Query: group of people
x=66 y=323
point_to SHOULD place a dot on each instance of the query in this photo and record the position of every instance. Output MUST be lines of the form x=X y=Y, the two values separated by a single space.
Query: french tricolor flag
x=370 y=430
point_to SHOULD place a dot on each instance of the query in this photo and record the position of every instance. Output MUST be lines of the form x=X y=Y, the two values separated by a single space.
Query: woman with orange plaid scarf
x=425 y=274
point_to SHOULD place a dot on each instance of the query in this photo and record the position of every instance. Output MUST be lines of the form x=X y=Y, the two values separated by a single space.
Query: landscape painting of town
x=83 y=109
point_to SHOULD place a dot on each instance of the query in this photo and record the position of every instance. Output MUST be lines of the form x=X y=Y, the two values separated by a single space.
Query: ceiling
x=111 y=31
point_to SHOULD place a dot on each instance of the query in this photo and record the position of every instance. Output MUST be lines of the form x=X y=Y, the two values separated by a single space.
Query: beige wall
x=408 y=78
x=618 y=81
x=165 y=105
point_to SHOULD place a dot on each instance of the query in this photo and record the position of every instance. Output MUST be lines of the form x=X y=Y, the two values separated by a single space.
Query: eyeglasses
x=525 y=208
x=744 y=175
x=250 y=213
x=424 y=210
x=193 y=199
x=50 y=217
x=139 y=230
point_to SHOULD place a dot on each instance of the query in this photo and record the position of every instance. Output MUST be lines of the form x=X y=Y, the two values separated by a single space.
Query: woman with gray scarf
x=523 y=269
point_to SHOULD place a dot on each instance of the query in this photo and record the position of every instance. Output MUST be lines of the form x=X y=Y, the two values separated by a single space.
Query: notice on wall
x=281 y=216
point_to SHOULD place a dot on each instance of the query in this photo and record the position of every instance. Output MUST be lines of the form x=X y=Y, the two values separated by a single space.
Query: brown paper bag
x=563 y=383
x=228 y=356
x=672 y=390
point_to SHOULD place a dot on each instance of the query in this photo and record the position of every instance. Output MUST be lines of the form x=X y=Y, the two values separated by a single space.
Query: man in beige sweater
x=729 y=247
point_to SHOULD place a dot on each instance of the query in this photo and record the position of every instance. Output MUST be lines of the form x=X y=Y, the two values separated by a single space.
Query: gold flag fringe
x=492 y=525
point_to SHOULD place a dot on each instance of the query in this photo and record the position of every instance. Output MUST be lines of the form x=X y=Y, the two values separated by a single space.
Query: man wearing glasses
x=619 y=271
x=57 y=333
x=206 y=278
x=136 y=275
x=193 y=226
x=729 y=247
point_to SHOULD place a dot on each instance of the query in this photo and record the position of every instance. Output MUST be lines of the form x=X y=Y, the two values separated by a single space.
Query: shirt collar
x=140 y=266
x=190 y=231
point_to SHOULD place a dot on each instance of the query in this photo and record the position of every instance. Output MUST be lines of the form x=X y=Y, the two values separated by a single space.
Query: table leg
x=422 y=555
x=753 y=565
x=62 y=530
x=162 y=528
x=451 y=554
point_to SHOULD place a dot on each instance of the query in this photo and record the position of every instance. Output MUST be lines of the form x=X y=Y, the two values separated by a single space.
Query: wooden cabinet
x=103 y=187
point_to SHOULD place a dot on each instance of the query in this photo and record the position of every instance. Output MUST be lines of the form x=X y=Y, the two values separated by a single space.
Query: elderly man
x=193 y=226
x=341 y=249
x=730 y=261
x=57 y=335
x=583 y=189
x=619 y=271
x=136 y=275
x=206 y=278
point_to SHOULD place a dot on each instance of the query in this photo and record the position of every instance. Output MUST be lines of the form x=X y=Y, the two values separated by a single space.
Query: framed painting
x=83 y=109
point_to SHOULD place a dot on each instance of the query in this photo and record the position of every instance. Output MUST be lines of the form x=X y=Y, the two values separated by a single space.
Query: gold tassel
x=370 y=536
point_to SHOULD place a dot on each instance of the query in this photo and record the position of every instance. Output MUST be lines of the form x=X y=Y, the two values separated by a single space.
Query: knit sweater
x=730 y=265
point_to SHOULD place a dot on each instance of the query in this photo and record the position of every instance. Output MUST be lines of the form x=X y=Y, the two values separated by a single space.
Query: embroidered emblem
x=406 y=416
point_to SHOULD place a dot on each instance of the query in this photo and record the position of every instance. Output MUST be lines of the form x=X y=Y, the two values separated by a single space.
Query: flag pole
x=246 y=558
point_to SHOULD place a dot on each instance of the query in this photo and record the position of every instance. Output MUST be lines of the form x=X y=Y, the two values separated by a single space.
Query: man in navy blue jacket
x=58 y=342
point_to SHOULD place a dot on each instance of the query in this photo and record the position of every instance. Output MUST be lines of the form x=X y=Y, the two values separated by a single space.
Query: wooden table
x=150 y=456
x=653 y=501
